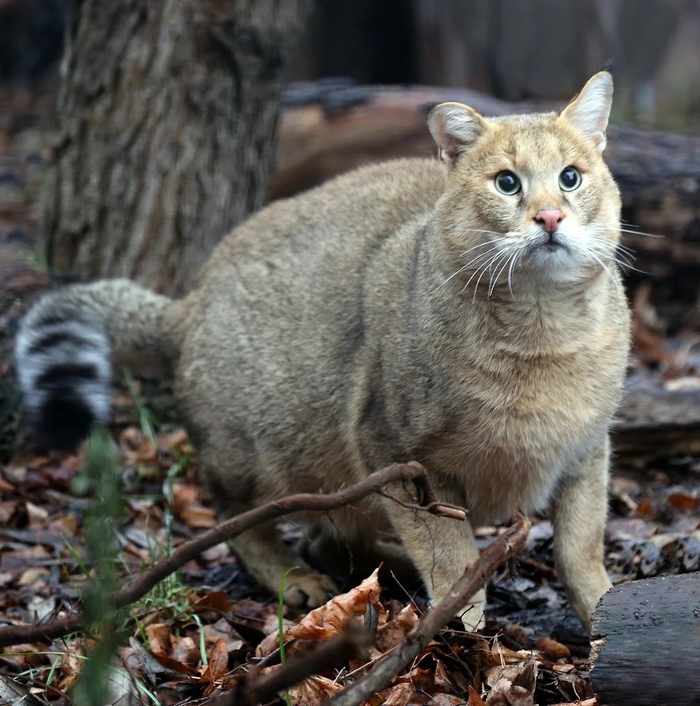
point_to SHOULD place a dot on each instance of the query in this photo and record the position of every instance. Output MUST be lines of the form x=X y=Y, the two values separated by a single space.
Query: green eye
x=507 y=183
x=570 y=179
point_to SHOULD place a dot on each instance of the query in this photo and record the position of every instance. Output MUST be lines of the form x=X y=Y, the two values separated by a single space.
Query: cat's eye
x=507 y=183
x=570 y=179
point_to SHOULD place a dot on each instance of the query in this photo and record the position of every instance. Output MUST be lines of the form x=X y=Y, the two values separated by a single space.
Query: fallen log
x=645 y=637
x=657 y=417
x=328 y=129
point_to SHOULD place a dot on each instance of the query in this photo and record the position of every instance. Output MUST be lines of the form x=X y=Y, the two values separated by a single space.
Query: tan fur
x=344 y=329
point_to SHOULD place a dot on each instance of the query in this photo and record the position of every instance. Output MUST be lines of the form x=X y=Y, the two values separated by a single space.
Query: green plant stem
x=100 y=479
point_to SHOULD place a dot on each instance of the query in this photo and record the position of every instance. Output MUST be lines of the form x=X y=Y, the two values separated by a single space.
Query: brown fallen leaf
x=450 y=700
x=185 y=651
x=198 y=517
x=683 y=501
x=176 y=440
x=513 y=684
x=34 y=576
x=313 y=691
x=330 y=619
x=137 y=447
x=552 y=649
x=218 y=663
x=37 y=515
x=442 y=678
x=395 y=631
x=159 y=638
x=474 y=698
x=399 y=695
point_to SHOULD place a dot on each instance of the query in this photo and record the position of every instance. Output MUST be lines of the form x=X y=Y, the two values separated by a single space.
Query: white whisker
x=513 y=263
x=469 y=264
x=481 y=269
x=495 y=274
x=631 y=229
x=492 y=286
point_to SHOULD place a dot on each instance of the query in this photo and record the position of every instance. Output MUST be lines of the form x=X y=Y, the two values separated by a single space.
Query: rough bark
x=646 y=643
x=168 y=112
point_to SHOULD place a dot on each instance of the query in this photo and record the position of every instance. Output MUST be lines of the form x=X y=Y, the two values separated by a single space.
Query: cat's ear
x=454 y=128
x=589 y=111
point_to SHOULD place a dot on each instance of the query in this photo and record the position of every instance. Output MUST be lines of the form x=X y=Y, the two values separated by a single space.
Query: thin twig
x=454 y=512
x=407 y=473
x=388 y=667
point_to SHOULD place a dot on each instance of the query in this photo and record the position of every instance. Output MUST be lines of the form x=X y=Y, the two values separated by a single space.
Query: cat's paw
x=307 y=589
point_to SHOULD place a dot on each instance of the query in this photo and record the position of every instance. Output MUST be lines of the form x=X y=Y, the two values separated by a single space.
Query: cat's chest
x=515 y=434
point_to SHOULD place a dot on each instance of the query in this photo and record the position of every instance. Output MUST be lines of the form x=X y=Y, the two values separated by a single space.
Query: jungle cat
x=466 y=313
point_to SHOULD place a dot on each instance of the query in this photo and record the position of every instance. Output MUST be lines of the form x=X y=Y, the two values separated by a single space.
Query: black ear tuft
x=610 y=66
x=63 y=421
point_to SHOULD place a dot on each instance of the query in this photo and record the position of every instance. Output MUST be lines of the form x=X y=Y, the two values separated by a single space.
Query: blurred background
x=518 y=49
x=511 y=49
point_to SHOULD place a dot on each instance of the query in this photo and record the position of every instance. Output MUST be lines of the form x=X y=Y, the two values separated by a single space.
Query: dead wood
x=646 y=642
x=389 y=666
x=657 y=417
x=407 y=473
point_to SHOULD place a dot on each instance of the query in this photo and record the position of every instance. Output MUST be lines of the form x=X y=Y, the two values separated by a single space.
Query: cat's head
x=529 y=197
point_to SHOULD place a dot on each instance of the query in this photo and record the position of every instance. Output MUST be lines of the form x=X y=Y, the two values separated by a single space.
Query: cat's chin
x=561 y=264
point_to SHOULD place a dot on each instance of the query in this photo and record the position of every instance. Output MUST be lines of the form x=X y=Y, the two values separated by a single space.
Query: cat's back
x=341 y=219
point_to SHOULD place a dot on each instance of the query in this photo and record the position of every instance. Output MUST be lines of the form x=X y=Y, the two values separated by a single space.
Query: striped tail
x=65 y=348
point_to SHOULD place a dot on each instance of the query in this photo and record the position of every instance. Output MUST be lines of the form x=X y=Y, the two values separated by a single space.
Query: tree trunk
x=168 y=112
x=646 y=643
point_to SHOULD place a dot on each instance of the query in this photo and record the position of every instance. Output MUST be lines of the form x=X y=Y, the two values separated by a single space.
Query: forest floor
x=198 y=633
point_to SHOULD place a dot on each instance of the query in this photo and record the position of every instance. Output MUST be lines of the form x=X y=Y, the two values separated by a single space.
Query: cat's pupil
x=507 y=183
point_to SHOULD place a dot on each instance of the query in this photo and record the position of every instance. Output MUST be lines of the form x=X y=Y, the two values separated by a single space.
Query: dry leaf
x=159 y=635
x=475 y=698
x=682 y=501
x=218 y=662
x=33 y=575
x=217 y=601
x=450 y=700
x=37 y=515
x=198 y=517
x=513 y=685
x=505 y=693
x=399 y=695
x=442 y=678
x=552 y=649
x=329 y=619
x=185 y=651
x=313 y=691
x=396 y=630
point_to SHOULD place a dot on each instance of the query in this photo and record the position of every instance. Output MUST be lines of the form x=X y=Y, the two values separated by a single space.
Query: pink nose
x=550 y=218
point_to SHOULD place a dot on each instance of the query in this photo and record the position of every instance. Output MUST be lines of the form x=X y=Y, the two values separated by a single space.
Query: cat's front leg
x=579 y=513
x=441 y=548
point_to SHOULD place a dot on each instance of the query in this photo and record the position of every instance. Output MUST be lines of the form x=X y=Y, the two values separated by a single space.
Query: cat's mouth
x=550 y=243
